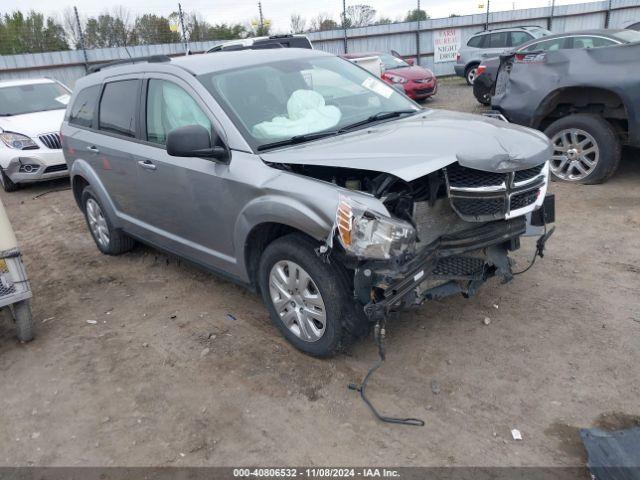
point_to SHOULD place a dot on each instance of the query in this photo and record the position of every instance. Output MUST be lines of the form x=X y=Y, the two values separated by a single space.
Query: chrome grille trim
x=51 y=140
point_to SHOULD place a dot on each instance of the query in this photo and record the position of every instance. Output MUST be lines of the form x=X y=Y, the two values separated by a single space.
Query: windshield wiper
x=299 y=139
x=378 y=116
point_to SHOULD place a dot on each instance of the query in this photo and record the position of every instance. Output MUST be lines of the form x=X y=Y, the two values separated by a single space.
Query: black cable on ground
x=379 y=335
x=539 y=249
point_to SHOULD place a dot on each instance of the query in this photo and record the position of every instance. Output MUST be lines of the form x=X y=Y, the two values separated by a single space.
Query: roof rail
x=124 y=61
x=237 y=47
x=509 y=28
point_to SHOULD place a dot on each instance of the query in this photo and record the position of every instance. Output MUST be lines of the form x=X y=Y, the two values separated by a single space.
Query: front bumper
x=420 y=91
x=458 y=263
x=47 y=165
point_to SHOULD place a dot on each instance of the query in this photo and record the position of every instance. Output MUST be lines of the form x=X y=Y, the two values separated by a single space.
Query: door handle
x=93 y=149
x=147 y=165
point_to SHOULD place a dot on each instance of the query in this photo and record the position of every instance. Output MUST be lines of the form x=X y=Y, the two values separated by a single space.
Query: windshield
x=630 y=36
x=281 y=100
x=34 y=97
x=389 y=62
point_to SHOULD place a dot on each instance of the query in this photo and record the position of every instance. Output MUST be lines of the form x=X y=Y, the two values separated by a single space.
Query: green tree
x=416 y=16
x=384 y=21
x=150 y=29
x=32 y=33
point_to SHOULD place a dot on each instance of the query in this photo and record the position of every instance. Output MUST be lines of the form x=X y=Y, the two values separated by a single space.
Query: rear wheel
x=109 y=240
x=7 y=184
x=586 y=149
x=308 y=299
x=24 y=320
x=470 y=73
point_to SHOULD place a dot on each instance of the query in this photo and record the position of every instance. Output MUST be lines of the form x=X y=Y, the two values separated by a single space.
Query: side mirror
x=410 y=61
x=194 y=141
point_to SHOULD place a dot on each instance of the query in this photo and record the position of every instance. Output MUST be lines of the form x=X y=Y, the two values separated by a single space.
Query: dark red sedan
x=418 y=82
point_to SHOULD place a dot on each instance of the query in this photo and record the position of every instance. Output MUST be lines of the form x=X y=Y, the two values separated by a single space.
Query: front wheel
x=308 y=299
x=24 y=321
x=7 y=184
x=586 y=149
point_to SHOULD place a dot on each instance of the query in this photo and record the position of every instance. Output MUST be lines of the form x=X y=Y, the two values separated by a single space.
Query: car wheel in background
x=308 y=299
x=586 y=148
x=24 y=321
x=482 y=94
x=6 y=182
x=109 y=240
x=470 y=73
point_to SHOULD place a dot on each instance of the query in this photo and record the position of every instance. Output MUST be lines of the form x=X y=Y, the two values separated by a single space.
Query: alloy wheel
x=575 y=154
x=471 y=75
x=97 y=223
x=297 y=300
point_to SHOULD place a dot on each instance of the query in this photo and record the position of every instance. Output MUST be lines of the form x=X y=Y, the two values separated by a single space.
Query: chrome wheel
x=575 y=154
x=297 y=300
x=97 y=223
x=471 y=75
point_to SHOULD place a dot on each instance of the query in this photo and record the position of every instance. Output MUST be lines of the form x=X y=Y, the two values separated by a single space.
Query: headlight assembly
x=370 y=235
x=397 y=79
x=17 y=141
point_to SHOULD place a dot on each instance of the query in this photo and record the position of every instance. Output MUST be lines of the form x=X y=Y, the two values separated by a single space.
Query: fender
x=81 y=167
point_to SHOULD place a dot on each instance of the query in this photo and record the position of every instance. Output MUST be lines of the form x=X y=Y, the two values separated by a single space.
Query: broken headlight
x=371 y=235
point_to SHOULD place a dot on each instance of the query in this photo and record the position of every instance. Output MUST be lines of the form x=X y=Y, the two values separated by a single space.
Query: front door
x=181 y=201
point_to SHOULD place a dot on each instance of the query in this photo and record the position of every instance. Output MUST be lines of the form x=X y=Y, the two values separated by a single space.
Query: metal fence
x=410 y=39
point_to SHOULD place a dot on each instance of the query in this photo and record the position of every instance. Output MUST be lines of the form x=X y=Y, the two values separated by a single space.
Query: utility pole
x=550 y=20
x=344 y=24
x=607 y=17
x=81 y=37
x=261 y=18
x=418 y=36
x=184 y=33
x=486 y=24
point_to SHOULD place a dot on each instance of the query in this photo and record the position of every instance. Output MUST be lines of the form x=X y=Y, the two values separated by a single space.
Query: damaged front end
x=446 y=233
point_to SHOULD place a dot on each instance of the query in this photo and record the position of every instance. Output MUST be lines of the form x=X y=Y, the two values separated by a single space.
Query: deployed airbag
x=306 y=113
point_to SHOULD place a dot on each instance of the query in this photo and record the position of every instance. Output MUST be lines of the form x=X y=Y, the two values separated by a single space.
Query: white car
x=31 y=113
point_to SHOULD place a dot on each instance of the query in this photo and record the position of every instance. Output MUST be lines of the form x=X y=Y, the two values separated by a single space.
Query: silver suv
x=306 y=178
x=490 y=43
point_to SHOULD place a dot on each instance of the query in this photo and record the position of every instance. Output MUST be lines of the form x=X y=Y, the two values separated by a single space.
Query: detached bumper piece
x=452 y=264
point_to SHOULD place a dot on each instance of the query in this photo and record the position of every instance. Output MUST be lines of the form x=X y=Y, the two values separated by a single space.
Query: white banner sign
x=446 y=44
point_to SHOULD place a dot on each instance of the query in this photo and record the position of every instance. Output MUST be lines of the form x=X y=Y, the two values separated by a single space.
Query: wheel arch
x=82 y=175
x=582 y=99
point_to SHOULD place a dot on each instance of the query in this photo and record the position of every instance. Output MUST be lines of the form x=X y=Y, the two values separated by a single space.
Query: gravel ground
x=165 y=377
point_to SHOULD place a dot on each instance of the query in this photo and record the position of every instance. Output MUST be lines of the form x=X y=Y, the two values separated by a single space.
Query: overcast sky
x=279 y=11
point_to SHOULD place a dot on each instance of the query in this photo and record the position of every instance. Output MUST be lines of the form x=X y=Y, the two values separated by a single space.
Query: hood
x=33 y=124
x=416 y=146
x=411 y=73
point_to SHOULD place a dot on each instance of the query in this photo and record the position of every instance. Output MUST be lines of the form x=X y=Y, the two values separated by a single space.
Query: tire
x=470 y=73
x=585 y=165
x=483 y=95
x=109 y=240
x=7 y=183
x=24 y=320
x=344 y=319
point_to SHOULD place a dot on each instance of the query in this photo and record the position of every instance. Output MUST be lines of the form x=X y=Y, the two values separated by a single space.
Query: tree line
x=33 y=32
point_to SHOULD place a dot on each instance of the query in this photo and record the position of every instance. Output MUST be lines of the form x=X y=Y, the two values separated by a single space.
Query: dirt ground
x=166 y=377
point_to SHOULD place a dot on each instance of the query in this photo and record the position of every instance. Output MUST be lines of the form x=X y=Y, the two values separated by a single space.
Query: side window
x=118 y=107
x=168 y=107
x=84 y=106
x=547 y=45
x=498 y=40
x=518 y=38
x=477 y=42
x=591 y=42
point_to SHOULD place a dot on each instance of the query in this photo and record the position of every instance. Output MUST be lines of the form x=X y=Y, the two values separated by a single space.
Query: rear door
x=496 y=43
x=110 y=148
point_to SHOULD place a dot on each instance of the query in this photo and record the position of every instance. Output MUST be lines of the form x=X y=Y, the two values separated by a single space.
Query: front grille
x=51 y=140
x=459 y=266
x=528 y=174
x=463 y=177
x=524 y=199
x=424 y=91
x=424 y=80
x=56 y=168
x=479 y=196
x=493 y=207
